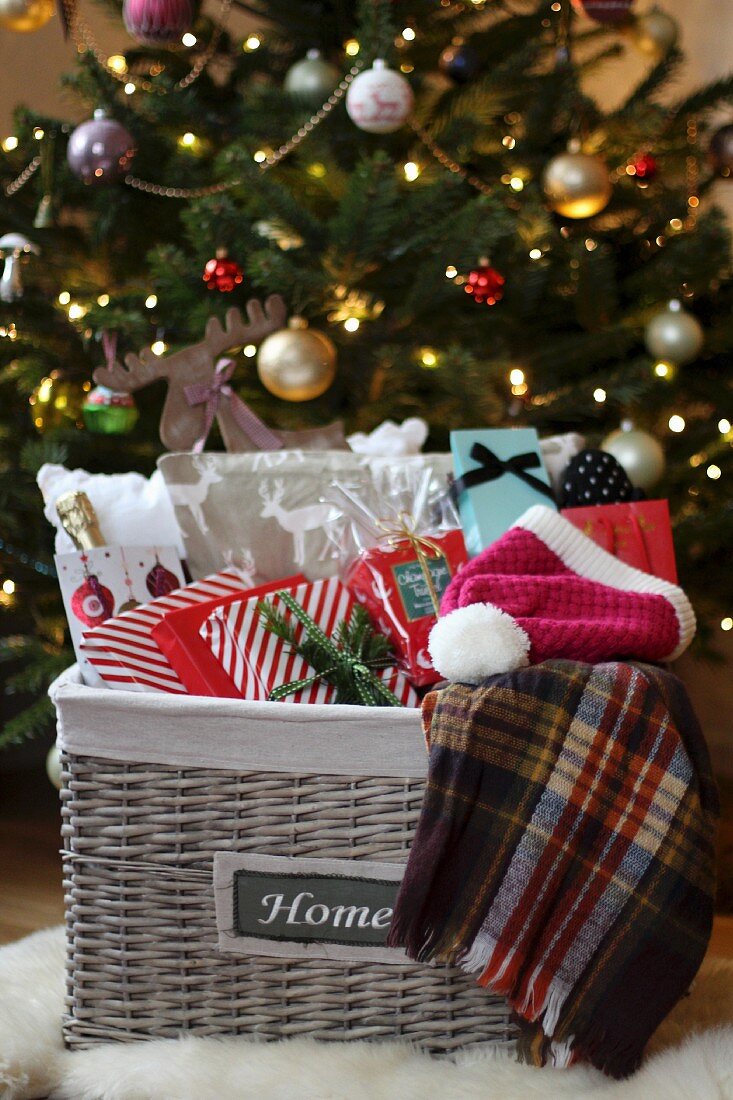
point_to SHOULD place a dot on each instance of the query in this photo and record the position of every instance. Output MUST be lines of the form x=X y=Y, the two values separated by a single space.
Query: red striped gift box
x=123 y=650
x=257 y=661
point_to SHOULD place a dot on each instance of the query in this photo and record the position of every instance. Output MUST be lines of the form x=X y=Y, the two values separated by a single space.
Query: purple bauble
x=157 y=22
x=100 y=150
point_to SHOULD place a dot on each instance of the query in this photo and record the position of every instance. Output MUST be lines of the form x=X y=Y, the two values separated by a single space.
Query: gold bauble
x=25 y=15
x=297 y=363
x=577 y=185
x=56 y=402
x=655 y=33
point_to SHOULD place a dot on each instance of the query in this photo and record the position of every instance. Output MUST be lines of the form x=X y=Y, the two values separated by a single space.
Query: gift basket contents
x=256 y=840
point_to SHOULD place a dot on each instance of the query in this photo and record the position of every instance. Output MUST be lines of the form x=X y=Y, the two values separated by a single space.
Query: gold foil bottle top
x=79 y=520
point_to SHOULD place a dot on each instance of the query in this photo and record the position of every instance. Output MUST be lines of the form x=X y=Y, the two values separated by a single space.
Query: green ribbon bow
x=346 y=663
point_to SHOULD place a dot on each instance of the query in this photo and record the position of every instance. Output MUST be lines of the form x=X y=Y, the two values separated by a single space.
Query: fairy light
x=251 y=43
x=590 y=244
x=351 y=47
x=103 y=300
x=724 y=426
x=508 y=141
x=535 y=253
x=599 y=395
x=677 y=423
x=189 y=39
x=76 y=311
x=516 y=376
x=158 y=347
x=516 y=183
x=411 y=170
x=351 y=324
x=151 y=301
x=10 y=143
x=38 y=133
x=64 y=298
x=408 y=34
x=714 y=472
x=676 y=224
x=451 y=271
x=117 y=63
x=663 y=369
x=428 y=357
x=187 y=140
x=250 y=350
x=259 y=156
x=406 y=67
x=726 y=623
x=317 y=170
x=130 y=88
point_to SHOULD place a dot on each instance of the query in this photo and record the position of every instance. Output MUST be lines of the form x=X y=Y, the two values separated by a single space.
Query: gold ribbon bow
x=401 y=528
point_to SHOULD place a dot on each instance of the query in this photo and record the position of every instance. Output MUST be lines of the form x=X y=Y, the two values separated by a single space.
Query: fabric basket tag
x=306 y=908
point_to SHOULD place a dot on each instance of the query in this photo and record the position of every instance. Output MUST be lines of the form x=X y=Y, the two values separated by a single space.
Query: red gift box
x=179 y=638
x=389 y=581
x=256 y=661
x=638 y=533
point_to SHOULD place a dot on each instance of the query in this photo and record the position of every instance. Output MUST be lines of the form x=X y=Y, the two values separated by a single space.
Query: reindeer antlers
x=235 y=331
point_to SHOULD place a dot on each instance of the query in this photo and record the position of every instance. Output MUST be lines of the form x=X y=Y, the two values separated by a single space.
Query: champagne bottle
x=79 y=520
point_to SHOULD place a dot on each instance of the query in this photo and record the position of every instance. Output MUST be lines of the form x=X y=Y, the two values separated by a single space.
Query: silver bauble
x=655 y=33
x=297 y=363
x=53 y=766
x=577 y=185
x=639 y=453
x=674 y=335
x=311 y=80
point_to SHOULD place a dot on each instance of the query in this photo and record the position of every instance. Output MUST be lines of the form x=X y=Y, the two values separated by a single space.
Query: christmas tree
x=504 y=253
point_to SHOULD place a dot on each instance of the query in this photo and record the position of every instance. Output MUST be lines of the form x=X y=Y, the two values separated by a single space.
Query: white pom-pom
x=477 y=641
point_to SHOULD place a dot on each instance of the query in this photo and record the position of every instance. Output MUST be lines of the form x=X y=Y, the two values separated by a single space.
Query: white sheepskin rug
x=690 y=1058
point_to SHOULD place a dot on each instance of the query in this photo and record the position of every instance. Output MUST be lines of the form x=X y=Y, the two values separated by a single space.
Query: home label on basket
x=320 y=908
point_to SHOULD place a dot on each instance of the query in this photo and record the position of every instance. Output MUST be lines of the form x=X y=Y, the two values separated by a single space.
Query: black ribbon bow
x=493 y=467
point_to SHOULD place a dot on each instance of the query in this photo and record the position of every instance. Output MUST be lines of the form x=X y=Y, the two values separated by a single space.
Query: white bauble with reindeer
x=379 y=100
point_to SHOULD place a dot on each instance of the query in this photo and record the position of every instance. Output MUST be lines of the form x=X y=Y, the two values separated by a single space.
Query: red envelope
x=177 y=635
x=637 y=532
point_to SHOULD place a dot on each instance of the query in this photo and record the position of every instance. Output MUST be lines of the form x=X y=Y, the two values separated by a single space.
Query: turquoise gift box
x=499 y=475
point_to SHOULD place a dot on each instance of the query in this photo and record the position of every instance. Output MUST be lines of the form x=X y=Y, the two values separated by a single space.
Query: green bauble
x=109 y=413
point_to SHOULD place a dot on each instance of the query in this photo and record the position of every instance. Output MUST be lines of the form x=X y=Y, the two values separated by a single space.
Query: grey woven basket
x=150 y=797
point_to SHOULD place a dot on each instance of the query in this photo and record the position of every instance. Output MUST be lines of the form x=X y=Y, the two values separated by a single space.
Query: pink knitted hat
x=545 y=590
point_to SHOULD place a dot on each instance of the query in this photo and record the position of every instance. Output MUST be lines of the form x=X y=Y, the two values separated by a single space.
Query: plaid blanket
x=565 y=852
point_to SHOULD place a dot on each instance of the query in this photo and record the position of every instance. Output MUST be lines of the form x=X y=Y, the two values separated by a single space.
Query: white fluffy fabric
x=477 y=641
x=690 y=1057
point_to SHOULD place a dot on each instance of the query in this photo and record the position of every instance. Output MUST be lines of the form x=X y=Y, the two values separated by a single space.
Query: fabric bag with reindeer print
x=266 y=507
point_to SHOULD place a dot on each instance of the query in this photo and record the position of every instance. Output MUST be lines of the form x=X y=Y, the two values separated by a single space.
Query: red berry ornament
x=222 y=273
x=645 y=166
x=485 y=284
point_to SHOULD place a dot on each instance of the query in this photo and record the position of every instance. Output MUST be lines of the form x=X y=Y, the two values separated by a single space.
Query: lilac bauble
x=100 y=150
x=157 y=22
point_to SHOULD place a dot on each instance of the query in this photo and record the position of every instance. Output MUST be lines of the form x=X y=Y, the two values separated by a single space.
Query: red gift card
x=636 y=532
x=178 y=636
x=389 y=581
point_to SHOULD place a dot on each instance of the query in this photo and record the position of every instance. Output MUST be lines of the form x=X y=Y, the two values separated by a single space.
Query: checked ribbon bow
x=346 y=664
x=211 y=393
x=493 y=467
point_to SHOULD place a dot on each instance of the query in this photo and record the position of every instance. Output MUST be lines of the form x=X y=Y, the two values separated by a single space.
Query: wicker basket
x=160 y=792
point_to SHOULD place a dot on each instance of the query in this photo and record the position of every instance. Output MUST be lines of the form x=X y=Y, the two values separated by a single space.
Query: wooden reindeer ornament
x=199 y=390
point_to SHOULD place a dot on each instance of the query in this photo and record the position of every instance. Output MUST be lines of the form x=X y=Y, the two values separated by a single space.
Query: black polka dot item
x=594 y=477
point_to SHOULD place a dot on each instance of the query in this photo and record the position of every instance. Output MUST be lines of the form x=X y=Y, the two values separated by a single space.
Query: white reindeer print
x=296 y=521
x=193 y=494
